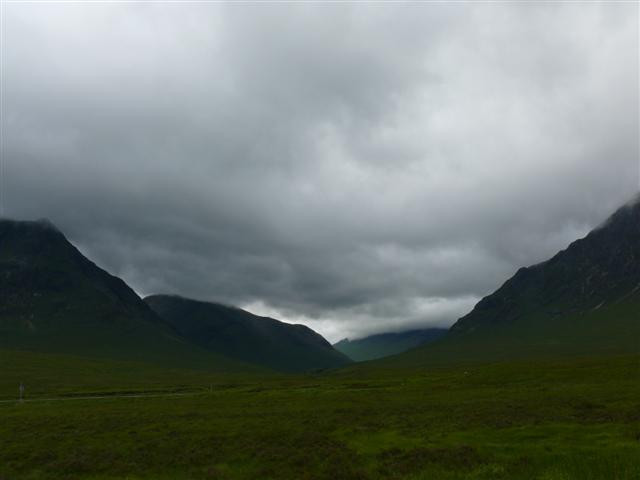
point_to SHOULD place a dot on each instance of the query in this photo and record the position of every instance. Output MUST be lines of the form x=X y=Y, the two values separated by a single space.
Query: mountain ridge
x=583 y=300
x=245 y=336
x=585 y=266
x=54 y=299
x=385 y=344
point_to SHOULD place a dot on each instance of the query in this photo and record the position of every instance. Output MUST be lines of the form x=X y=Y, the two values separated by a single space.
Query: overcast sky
x=357 y=168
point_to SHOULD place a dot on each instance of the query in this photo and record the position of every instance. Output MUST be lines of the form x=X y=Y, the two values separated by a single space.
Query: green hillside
x=386 y=344
x=609 y=330
x=241 y=335
x=53 y=299
x=585 y=300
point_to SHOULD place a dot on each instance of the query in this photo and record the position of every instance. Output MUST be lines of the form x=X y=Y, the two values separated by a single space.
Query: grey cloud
x=355 y=167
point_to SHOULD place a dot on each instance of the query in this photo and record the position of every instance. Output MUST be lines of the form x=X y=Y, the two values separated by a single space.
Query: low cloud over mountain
x=377 y=168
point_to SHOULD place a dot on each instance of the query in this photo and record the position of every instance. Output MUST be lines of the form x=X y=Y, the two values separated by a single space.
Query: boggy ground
x=551 y=420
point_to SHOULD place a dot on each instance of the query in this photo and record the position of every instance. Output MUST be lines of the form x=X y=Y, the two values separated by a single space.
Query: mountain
x=385 y=344
x=53 y=299
x=584 y=300
x=241 y=335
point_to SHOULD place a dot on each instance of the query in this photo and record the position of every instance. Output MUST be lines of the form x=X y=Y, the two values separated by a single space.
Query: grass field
x=562 y=419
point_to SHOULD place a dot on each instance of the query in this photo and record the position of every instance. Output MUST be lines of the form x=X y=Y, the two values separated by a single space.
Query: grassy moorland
x=54 y=375
x=554 y=419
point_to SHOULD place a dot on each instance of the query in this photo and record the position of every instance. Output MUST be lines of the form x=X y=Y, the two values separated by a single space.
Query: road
x=101 y=397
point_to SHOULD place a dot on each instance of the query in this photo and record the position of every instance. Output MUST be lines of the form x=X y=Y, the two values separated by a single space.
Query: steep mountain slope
x=241 y=335
x=584 y=300
x=601 y=268
x=385 y=344
x=53 y=299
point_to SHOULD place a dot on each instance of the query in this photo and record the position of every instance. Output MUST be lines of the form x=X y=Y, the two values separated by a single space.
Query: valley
x=539 y=381
x=552 y=419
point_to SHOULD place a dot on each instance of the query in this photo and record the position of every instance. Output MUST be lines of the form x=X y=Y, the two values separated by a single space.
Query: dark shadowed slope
x=585 y=300
x=53 y=299
x=239 y=334
x=385 y=344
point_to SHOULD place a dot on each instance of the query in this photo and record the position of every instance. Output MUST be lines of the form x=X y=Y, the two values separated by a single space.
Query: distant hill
x=53 y=299
x=385 y=344
x=584 y=300
x=241 y=335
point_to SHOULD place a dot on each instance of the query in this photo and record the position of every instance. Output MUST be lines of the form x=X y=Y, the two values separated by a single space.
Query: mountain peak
x=627 y=217
x=635 y=201
x=46 y=223
x=42 y=223
x=54 y=299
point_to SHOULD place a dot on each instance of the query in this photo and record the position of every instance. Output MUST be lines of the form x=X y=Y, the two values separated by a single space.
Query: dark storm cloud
x=359 y=168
